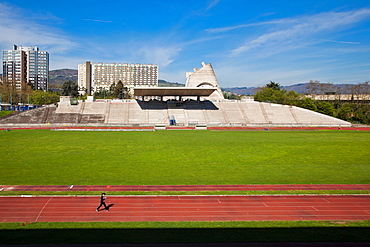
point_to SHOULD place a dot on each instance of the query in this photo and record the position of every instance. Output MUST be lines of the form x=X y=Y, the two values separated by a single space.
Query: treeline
x=356 y=110
x=10 y=94
x=116 y=91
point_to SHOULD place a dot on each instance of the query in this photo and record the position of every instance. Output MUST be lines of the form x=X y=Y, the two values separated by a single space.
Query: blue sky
x=248 y=42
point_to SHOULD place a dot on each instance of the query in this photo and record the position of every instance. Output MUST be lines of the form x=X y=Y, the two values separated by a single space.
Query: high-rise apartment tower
x=24 y=65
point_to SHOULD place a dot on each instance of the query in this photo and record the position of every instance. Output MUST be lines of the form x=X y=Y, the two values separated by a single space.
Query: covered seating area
x=179 y=92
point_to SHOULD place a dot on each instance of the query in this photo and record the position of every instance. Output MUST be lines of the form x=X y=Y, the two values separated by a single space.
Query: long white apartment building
x=100 y=76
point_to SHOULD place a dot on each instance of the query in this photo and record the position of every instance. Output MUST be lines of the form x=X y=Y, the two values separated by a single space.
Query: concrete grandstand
x=199 y=103
x=172 y=112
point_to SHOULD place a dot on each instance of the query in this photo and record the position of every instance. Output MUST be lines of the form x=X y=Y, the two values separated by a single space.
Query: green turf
x=44 y=157
x=183 y=232
x=4 y=113
x=181 y=193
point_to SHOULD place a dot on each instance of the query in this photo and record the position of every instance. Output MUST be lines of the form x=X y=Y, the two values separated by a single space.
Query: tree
x=44 y=98
x=9 y=93
x=325 y=108
x=127 y=93
x=112 y=88
x=271 y=92
x=308 y=103
x=313 y=88
x=119 y=90
x=70 y=88
x=230 y=95
x=345 y=112
x=273 y=85
x=292 y=98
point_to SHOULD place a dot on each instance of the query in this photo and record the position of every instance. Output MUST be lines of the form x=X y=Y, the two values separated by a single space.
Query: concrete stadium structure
x=182 y=113
x=199 y=103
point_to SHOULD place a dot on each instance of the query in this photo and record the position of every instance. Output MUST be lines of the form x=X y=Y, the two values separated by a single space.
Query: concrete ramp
x=137 y=115
x=93 y=107
x=310 y=118
x=279 y=114
x=118 y=113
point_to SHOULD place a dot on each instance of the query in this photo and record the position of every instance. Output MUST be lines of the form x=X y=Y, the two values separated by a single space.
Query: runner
x=102 y=203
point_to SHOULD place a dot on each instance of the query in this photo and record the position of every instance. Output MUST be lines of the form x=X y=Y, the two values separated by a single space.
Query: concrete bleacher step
x=233 y=113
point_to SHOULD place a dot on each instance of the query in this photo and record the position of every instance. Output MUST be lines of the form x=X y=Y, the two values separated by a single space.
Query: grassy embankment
x=4 y=113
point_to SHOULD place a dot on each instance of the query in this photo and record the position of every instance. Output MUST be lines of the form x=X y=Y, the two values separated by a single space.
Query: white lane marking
x=314 y=208
x=38 y=216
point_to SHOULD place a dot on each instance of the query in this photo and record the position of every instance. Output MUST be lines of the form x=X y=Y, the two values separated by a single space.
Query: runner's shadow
x=107 y=208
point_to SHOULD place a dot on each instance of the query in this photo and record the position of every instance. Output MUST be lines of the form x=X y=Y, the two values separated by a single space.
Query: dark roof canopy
x=174 y=91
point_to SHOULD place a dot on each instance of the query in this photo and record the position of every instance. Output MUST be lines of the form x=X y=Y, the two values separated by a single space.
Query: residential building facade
x=100 y=76
x=24 y=65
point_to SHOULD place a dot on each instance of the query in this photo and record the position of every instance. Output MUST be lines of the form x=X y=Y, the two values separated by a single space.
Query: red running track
x=186 y=208
x=252 y=187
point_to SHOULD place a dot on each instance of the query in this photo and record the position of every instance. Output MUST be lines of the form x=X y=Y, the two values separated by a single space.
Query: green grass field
x=44 y=157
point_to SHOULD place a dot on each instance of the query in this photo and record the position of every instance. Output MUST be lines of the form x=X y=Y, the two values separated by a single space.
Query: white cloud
x=344 y=42
x=292 y=33
x=230 y=28
x=16 y=28
x=96 y=20
x=163 y=56
x=212 y=4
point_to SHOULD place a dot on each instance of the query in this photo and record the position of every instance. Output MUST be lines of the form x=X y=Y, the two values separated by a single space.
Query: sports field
x=184 y=157
x=181 y=157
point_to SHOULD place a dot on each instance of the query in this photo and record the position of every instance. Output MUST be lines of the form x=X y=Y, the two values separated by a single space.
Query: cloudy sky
x=248 y=42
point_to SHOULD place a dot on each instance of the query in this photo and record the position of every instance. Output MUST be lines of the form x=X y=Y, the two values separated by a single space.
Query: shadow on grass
x=185 y=235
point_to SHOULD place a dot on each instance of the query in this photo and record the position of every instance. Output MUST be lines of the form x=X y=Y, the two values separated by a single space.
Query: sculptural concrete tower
x=204 y=77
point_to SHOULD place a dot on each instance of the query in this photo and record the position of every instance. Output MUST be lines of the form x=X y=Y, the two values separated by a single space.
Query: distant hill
x=241 y=90
x=59 y=76
x=299 y=88
x=163 y=83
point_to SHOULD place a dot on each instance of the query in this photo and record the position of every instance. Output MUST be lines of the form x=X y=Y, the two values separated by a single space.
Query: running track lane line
x=38 y=216
x=189 y=208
